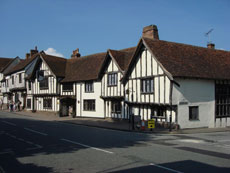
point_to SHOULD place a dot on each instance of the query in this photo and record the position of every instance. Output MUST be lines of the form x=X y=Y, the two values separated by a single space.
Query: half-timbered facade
x=147 y=91
x=15 y=85
x=6 y=64
x=43 y=85
x=178 y=83
x=171 y=82
x=112 y=89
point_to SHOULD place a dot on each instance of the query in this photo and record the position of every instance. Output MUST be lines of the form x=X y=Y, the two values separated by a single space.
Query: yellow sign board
x=151 y=124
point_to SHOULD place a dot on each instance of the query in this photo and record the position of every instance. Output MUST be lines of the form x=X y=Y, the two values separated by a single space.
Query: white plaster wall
x=82 y=95
x=194 y=92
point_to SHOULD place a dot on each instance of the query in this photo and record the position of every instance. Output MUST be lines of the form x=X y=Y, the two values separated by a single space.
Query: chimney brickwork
x=76 y=54
x=151 y=32
x=211 y=46
x=32 y=52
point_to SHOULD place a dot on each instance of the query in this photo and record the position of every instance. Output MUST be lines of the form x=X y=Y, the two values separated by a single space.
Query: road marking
x=34 y=131
x=169 y=169
x=25 y=141
x=9 y=123
x=87 y=146
x=6 y=152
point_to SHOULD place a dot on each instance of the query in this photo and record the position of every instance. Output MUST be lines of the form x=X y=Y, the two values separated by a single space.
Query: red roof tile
x=84 y=68
x=182 y=60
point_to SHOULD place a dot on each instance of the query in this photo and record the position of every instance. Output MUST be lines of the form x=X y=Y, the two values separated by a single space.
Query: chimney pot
x=151 y=32
x=27 y=55
x=76 y=53
x=211 y=45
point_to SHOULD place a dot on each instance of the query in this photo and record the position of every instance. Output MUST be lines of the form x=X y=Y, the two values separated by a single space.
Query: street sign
x=151 y=124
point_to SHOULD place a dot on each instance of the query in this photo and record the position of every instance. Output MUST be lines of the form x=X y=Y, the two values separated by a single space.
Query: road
x=29 y=145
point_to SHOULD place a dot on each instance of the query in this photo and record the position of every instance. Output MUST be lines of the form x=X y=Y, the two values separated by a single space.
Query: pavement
x=109 y=123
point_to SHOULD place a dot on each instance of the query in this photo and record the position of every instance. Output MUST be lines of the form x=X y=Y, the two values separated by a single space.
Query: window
x=12 y=78
x=193 y=113
x=116 y=106
x=47 y=103
x=112 y=79
x=28 y=103
x=147 y=85
x=222 y=98
x=29 y=85
x=67 y=87
x=7 y=83
x=44 y=83
x=88 y=87
x=20 y=77
x=89 y=105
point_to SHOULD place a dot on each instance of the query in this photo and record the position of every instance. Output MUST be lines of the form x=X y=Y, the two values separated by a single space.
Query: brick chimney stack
x=151 y=32
x=32 y=52
x=211 y=46
x=76 y=54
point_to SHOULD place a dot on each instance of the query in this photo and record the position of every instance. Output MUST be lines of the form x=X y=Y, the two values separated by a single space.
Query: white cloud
x=52 y=51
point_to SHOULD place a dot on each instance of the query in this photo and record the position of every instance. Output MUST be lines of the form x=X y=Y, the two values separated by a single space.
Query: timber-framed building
x=171 y=82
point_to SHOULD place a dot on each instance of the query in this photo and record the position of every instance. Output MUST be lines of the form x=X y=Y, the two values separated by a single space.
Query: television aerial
x=207 y=34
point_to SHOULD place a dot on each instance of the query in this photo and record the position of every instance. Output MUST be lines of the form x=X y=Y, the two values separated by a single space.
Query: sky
x=60 y=26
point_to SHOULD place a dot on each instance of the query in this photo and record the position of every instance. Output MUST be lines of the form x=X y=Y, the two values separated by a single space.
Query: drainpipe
x=170 y=117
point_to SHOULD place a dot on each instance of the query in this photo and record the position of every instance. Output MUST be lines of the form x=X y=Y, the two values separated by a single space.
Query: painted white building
x=81 y=87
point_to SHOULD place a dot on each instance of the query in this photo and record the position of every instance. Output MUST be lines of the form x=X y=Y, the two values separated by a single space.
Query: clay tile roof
x=21 y=65
x=4 y=62
x=123 y=57
x=183 y=60
x=56 y=64
x=84 y=68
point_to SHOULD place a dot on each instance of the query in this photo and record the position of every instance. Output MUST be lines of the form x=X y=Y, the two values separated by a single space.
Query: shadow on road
x=188 y=166
x=19 y=141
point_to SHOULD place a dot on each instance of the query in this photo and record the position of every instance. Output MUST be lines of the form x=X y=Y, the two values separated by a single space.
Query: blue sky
x=97 y=25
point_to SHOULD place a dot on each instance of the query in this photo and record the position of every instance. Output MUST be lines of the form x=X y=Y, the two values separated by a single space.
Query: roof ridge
x=185 y=44
x=85 y=57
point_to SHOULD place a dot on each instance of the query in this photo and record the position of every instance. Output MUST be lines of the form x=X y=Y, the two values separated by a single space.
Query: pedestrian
x=1 y=104
x=14 y=106
x=11 y=106
x=19 y=105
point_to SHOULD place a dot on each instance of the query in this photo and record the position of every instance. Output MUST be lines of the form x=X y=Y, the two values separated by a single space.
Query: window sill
x=116 y=112
x=147 y=92
x=67 y=90
x=90 y=110
x=111 y=85
x=89 y=91
x=194 y=120
x=44 y=88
